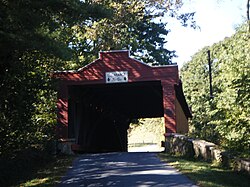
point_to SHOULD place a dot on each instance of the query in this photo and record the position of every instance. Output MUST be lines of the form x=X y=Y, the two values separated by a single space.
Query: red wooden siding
x=94 y=73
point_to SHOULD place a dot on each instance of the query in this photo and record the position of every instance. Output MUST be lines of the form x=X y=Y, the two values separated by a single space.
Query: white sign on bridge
x=116 y=76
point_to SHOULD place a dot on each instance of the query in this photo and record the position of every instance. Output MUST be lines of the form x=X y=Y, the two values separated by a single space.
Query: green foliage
x=34 y=167
x=225 y=118
x=234 y=82
x=206 y=174
x=34 y=40
x=196 y=88
x=131 y=26
x=146 y=130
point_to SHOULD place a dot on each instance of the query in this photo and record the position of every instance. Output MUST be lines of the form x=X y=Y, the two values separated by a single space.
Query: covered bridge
x=97 y=102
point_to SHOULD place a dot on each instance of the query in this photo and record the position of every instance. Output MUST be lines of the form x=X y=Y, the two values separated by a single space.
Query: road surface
x=123 y=169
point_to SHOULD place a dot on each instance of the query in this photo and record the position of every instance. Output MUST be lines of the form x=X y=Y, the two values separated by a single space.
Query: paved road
x=123 y=169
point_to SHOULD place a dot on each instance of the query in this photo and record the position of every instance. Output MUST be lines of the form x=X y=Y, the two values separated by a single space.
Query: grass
x=49 y=171
x=50 y=174
x=206 y=174
x=33 y=168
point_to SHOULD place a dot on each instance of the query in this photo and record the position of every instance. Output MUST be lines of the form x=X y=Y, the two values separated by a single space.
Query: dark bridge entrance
x=97 y=102
x=99 y=115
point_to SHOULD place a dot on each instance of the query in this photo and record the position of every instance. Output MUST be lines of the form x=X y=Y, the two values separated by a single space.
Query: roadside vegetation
x=223 y=117
x=34 y=168
x=146 y=130
x=206 y=174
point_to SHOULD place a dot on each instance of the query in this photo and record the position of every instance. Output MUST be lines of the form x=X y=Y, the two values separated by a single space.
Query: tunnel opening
x=97 y=102
x=100 y=114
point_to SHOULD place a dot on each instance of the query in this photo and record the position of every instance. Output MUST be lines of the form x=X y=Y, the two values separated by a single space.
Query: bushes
x=223 y=119
x=22 y=165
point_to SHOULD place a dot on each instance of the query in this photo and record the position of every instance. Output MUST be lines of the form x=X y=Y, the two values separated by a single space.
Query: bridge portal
x=97 y=102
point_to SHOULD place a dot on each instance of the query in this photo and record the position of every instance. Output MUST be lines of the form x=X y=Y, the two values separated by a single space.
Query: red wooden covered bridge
x=97 y=102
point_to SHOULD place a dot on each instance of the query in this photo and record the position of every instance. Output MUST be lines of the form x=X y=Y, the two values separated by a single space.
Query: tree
x=135 y=26
x=130 y=27
x=226 y=116
x=34 y=40
x=196 y=87
x=234 y=81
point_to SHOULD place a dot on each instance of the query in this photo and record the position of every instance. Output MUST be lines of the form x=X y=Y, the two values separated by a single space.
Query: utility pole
x=210 y=74
x=248 y=14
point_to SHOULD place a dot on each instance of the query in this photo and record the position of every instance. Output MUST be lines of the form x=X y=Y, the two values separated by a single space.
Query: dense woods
x=223 y=118
x=34 y=39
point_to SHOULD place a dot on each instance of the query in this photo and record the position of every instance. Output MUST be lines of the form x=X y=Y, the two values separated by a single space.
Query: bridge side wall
x=181 y=119
x=94 y=73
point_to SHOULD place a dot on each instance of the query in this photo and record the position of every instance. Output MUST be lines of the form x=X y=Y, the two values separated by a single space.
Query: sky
x=217 y=19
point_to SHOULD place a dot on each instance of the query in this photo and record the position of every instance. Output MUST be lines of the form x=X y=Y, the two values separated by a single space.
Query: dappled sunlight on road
x=123 y=169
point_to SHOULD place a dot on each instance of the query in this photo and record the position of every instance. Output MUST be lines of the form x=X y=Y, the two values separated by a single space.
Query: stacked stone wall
x=194 y=148
x=64 y=146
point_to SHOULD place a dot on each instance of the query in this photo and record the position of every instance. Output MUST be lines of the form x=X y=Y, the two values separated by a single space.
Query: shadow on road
x=122 y=169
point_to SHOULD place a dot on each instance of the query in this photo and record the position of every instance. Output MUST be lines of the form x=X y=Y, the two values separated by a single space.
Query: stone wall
x=242 y=165
x=179 y=144
x=194 y=148
x=64 y=146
